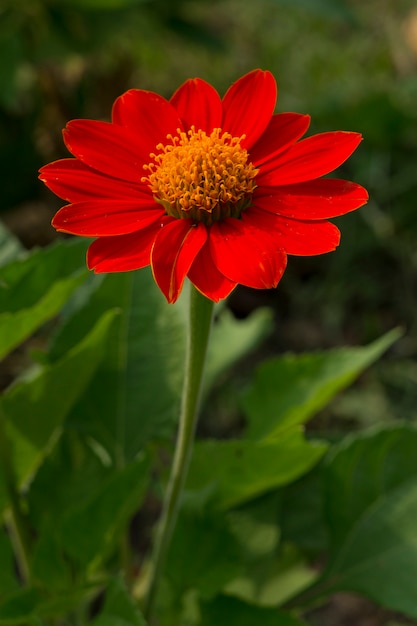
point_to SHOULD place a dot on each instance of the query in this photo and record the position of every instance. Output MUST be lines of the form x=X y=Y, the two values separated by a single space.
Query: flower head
x=219 y=190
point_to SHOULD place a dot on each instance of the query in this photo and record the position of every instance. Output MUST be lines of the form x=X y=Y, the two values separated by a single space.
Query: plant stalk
x=200 y=320
x=14 y=517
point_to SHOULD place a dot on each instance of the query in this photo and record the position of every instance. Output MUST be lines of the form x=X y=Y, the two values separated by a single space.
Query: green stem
x=200 y=318
x=15 y=519
x=16 y=526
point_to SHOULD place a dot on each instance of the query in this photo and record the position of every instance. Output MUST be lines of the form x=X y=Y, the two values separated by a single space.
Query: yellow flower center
x=202 y=177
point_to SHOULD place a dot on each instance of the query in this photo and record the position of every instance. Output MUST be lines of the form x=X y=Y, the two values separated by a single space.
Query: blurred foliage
x=86 y=431
x=352 y=65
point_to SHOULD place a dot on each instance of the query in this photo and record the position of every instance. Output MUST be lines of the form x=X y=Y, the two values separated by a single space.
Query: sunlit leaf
x=34 y=289
x=290 y=389
x=273 y=580
x=135 y=394
x=272 y=571
x=239 y=469
x=34 y=410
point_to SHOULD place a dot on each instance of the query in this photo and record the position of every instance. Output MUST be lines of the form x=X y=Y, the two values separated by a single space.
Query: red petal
x=248 y=106
x=108 y=148
x=309 y=238
x=206 y=277
x=102 y=218
x=246 y=253
x=313 y=200
x=198 y=104
x=123 y=252
x=148 y=116
x=308 y=159
x=73 y=181
x=282 y=131
x=173 y=253
x=298 y=237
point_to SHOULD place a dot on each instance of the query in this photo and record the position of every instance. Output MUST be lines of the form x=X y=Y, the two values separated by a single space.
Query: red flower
x=219 y=190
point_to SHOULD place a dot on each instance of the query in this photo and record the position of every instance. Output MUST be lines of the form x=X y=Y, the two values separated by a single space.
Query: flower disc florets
x=202 y=177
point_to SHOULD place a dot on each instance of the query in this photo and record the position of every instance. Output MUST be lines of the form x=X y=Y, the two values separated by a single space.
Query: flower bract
x=219 y=190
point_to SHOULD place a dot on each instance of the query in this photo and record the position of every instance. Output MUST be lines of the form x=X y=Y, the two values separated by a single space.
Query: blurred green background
x=351 y=64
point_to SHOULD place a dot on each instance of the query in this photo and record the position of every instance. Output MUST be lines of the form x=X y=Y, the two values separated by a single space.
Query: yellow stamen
x=202 y=177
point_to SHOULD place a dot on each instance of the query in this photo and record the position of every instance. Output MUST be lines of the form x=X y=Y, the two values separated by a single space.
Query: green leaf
x=371 y=505
x=379 y=556
x=135 y=395
x=271 y=581
x=271 y=571
x=8 y=579
x=216 y=562
x=247 y=469
x=49 y=564
x=362 y=469
x=34 y=410
x=26 y=280
x=20 y=607
x=71 y=475
x=111 y=620
x=53 y=605
x=228 y=611
x=231 y=339
x=301 y=518
x=91 y=530
x=255 y=526
x=34 y=289
x=80 y=504
x=10 y=246
x=290 y=389
x=119 y=608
